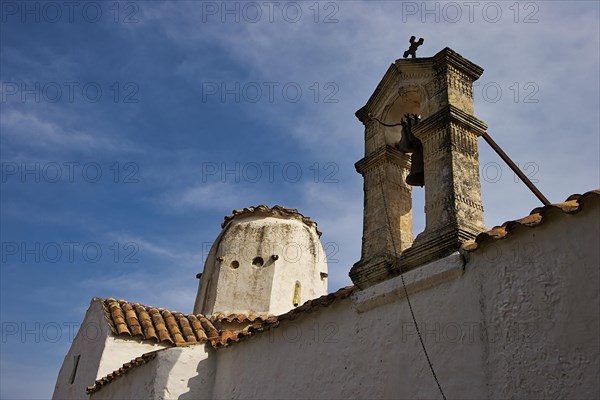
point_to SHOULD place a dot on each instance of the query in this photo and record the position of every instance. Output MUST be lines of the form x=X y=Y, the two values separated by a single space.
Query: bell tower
x=439 y=89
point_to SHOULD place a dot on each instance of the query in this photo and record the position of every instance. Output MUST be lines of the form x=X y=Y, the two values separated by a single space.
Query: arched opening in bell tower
x=409 y=101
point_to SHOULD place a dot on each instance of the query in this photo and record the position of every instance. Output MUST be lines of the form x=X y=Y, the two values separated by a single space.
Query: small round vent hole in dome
x=258 y=262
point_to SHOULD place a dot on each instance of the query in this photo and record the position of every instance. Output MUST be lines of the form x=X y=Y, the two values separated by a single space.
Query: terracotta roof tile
x=228 y=337
x=157 y=324
x=240 y=317
x=186 y=329
x=173 y=326
x=148 y=330
x=132 y=320
x=230 y=325
x=211 y=332
x=539 y=215
x=136 y=362
x=197 y=328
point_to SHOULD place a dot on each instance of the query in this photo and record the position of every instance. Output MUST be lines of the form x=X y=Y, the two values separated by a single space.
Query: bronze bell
x=410 y=144
x=406 y=143
x=416 y=176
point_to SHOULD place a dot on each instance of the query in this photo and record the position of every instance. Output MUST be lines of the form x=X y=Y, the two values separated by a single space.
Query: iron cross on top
x=412 y=50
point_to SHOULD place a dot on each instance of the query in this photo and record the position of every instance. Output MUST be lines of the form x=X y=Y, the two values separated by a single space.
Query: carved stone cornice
x=450 y=200
x=447 y=115
x=384 y=154
x=448 y=57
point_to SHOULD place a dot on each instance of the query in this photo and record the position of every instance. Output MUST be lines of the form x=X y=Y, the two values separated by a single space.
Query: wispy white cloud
x=210 y=196
x=33 y=129
x=175 y=290
x=151 y=247
x=163 y=274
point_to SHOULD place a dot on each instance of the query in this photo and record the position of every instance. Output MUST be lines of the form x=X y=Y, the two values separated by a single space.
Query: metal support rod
x=515 y=169
x=502 y=155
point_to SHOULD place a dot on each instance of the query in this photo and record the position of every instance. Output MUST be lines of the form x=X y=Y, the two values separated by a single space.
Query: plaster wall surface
x=521 y=321
x=340 y=353
x=540 y=306
x=88 y=345
x=189 y=372
x=118 y=351
x=175 y=373
x=139 y=383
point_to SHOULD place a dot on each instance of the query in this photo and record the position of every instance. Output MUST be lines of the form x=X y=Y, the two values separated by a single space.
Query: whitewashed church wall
x=189 y=372
x=138 y=383
x=339 y=353
x=175 y=373
x=88 y=346
x=119 y=351
x=541 y=307
x=522 y=321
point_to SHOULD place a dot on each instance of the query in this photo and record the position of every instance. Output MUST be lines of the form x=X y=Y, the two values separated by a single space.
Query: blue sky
x=128 y=130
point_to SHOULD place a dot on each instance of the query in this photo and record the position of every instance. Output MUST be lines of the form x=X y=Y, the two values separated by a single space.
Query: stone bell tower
x=440 y=90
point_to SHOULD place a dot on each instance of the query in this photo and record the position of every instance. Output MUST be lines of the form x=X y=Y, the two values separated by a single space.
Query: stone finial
x=414 y=45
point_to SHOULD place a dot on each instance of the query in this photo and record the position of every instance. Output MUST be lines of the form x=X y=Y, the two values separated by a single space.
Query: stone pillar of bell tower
x=439 y=90
x=453 y=206
x=387 y=218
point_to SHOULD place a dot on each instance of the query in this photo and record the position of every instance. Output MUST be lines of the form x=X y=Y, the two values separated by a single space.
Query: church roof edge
x=264 y=210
